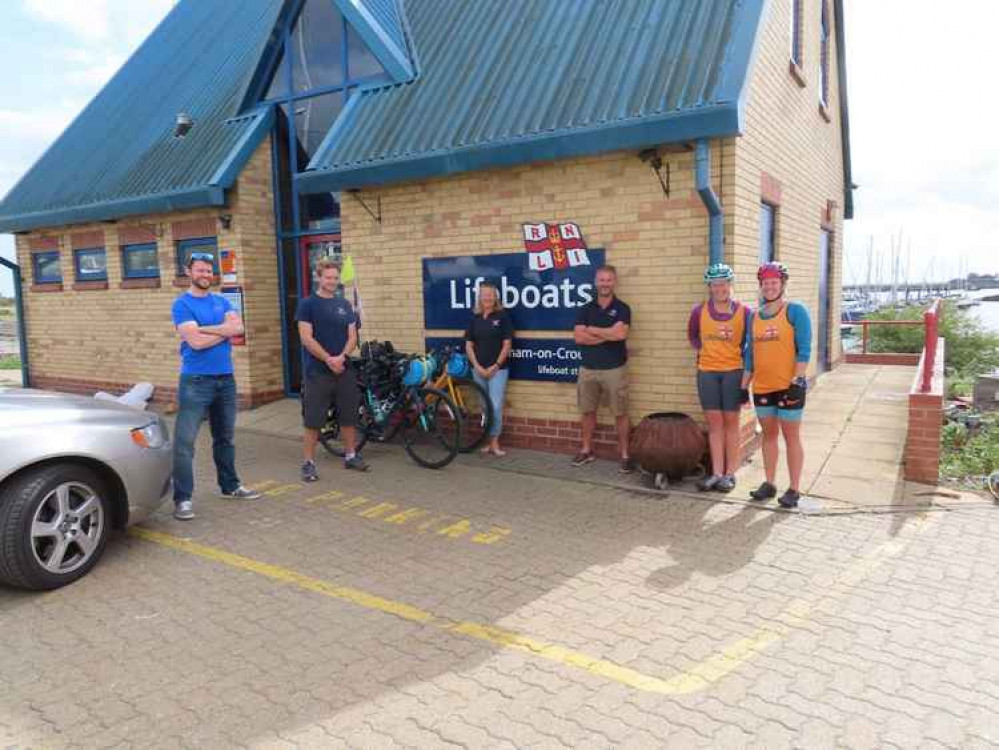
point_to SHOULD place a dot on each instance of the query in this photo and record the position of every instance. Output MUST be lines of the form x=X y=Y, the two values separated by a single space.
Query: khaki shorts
x=610 y=386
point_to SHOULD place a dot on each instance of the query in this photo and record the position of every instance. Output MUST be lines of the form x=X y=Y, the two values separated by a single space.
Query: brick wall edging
x=922 y=443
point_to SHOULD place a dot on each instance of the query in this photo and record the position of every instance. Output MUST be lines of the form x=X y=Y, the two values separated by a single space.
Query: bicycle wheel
x=431 y=430
x=476 y=413
x=331 y=434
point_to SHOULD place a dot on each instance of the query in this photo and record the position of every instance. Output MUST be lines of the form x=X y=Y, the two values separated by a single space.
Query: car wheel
x=53 y=526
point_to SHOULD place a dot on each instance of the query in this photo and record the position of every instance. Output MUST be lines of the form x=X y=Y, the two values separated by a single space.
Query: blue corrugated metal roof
x=120 y=157
x=524 y=80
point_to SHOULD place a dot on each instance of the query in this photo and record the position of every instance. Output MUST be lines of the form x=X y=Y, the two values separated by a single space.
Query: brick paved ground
x=402 y=613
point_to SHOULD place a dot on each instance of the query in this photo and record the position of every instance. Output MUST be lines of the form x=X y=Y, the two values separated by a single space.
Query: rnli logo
x=612 y=312
x=559 y=246
x=771 y=333
x=723 y=333
x=496 y=324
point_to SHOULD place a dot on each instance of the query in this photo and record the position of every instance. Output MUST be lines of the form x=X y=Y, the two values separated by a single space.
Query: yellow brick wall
x=121 y=336
x=658 y=246
x=787 y=137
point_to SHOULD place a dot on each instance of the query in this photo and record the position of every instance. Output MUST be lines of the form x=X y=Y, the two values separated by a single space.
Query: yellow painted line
x=696 y=678
x=487 y=633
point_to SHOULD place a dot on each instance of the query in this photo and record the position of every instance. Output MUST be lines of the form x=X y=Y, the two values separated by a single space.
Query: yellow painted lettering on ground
x=377 y=511
x=325 y=497
x=456 y=530
x=354 y=502
x=283 y=489
x=425 y=526
x=405 y=515
x=492 y=536
x=261 y=486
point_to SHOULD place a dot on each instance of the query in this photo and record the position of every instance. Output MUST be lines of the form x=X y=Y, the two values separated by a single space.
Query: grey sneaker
x=356 y=463
x=242 y=493
x=309 y=472
x=725 y=484
x=709 y=483
x=582 y=458
x=184 y=510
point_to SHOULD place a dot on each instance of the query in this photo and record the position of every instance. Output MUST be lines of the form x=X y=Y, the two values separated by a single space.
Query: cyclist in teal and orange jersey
x=776 y=362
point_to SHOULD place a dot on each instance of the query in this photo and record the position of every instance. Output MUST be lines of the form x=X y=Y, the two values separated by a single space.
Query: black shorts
x=321 y=391
x=775 y=405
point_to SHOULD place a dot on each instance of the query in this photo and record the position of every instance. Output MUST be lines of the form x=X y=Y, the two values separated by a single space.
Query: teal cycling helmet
x=718 y=272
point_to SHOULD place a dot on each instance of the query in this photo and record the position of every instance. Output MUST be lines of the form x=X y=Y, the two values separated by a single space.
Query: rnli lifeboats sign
x=542 y=288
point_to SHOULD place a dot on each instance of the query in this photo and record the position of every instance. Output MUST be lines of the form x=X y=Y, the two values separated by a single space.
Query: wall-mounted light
x=225 y=220
x=651 y=157
x=183 y=125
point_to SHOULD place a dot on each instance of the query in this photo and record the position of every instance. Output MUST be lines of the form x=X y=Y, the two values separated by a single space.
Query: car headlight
x=153 y=435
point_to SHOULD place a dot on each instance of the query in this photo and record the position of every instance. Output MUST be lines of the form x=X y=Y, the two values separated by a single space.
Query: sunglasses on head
x=203 y=256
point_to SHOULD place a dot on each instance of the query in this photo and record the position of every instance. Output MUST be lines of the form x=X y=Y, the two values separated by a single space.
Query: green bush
x=10 y=363
x=969 y=454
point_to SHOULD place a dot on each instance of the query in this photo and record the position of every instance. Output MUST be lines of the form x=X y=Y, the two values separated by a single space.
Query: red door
x=311 y=250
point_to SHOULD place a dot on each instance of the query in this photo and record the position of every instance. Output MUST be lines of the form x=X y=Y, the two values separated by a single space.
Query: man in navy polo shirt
x=206 y=322
x=601 y=331
x=328 y=330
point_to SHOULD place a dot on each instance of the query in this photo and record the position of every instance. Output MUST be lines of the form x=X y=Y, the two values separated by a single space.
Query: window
x=140 y=261
x=46 y=268
x=91 y=264
x=768 y=226
x=199 y=245
x=824 y=56
x=319 y=66
x=796 y=32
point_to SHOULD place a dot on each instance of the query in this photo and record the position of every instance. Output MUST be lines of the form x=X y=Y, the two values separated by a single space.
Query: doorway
x=825 y=275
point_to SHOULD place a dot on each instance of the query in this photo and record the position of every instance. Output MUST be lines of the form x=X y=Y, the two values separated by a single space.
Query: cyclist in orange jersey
x=718 y=329
x=776 y=362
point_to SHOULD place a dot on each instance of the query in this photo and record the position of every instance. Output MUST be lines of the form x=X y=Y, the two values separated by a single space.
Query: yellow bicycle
x=453 y=376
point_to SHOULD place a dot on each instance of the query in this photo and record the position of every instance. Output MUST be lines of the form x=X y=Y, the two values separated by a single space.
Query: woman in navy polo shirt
x=488 y=341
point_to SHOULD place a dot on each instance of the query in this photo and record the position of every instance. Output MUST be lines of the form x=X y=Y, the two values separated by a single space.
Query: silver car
x=71 y=469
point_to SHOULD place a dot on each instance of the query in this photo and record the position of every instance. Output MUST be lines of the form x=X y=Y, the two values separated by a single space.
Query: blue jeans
x=496 y=388
x=200 y=396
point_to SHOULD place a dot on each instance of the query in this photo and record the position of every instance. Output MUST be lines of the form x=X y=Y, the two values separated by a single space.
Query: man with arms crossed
x=328 y=330
x=601 y=332
x=206 y=322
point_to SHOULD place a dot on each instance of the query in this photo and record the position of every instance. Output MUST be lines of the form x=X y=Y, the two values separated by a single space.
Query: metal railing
x=931 y=328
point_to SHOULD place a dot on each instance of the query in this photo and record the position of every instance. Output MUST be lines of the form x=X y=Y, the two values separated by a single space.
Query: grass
x=10 y=362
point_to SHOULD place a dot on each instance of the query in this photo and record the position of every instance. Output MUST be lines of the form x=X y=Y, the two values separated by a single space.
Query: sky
x=923 y=117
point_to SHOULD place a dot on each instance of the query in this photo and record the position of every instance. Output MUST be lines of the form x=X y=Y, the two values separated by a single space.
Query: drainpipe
x=22 y=336
x=716 y=229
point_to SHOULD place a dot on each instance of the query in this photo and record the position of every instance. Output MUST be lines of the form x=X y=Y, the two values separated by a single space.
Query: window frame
x=36 y=257
x=797 y=8
x=126 y=250
x=81 y=276
x=193 y=243
x=774 y=210
x=825 y=44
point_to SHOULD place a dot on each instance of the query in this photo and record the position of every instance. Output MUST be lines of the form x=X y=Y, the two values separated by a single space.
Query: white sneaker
x=184 y=510
x=241 y=493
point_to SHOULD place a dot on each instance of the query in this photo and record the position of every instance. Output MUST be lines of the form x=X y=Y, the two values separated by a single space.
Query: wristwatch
x=801 y=381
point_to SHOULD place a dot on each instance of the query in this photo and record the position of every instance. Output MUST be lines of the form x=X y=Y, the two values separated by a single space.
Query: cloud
x=90 y=19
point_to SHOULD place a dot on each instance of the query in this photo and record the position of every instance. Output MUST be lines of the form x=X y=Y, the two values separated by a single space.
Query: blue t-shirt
x=205 y=311
x=331 y=318
x=606 y=355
